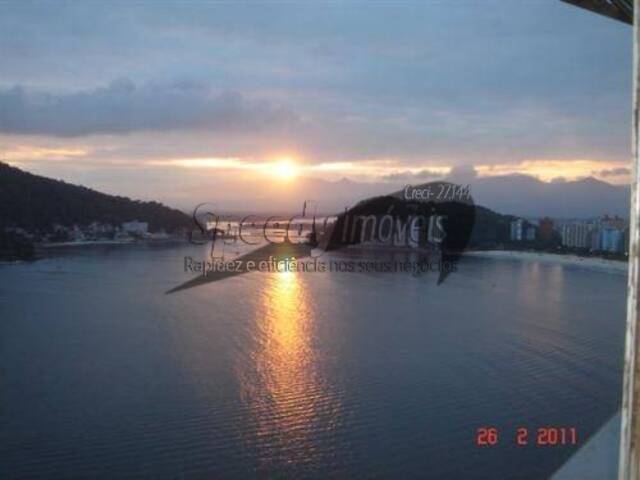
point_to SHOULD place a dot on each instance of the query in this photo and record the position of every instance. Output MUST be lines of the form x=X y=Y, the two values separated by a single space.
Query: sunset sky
x=186 y=102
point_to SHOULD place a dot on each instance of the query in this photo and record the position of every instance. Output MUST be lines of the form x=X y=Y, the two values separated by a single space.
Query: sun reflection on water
x=284 y=392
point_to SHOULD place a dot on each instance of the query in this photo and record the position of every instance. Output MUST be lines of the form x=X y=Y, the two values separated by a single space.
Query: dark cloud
x=122 y=107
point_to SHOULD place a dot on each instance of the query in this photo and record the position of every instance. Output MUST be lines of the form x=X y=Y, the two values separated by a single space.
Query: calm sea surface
x=298 y=375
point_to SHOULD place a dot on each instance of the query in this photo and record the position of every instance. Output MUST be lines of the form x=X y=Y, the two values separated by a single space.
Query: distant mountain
x=527 y=196
x=36 y=204
x=519 y=195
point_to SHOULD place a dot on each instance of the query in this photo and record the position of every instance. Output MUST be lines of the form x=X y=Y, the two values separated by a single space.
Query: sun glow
x=286 y=169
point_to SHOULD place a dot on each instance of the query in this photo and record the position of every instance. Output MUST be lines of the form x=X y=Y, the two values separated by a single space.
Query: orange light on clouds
x=284 y=168
x=288 y=168
x=373 y=170
x=25 y=153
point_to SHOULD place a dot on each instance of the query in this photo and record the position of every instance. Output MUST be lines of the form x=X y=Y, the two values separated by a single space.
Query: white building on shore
x=577 y=234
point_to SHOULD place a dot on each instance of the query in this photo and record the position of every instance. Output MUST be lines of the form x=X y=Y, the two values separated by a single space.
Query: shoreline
x=84 y=243
x=596 y=263
x=90 y=243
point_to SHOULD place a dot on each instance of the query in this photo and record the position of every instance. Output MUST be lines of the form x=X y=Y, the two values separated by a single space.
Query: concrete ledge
x=597 y=459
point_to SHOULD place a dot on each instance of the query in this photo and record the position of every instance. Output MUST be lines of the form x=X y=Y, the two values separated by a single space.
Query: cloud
x=446 y=85
x=462 y=173
x=408 y=176
x=123 y=107
x=612 y=172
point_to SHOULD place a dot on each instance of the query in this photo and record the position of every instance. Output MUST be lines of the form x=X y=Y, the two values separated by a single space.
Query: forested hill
x=37 y=203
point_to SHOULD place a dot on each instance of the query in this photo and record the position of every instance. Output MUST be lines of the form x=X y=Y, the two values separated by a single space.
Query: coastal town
x=95 y=232
x=605 y=236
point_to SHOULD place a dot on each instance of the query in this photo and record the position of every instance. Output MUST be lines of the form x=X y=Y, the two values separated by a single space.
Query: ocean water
x=286 y=375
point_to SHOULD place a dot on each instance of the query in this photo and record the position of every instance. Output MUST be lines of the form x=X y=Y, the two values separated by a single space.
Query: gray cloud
x=430 y=82
x=122 y=107
x=612 y=172
x=462 y=173
x=411 y=177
